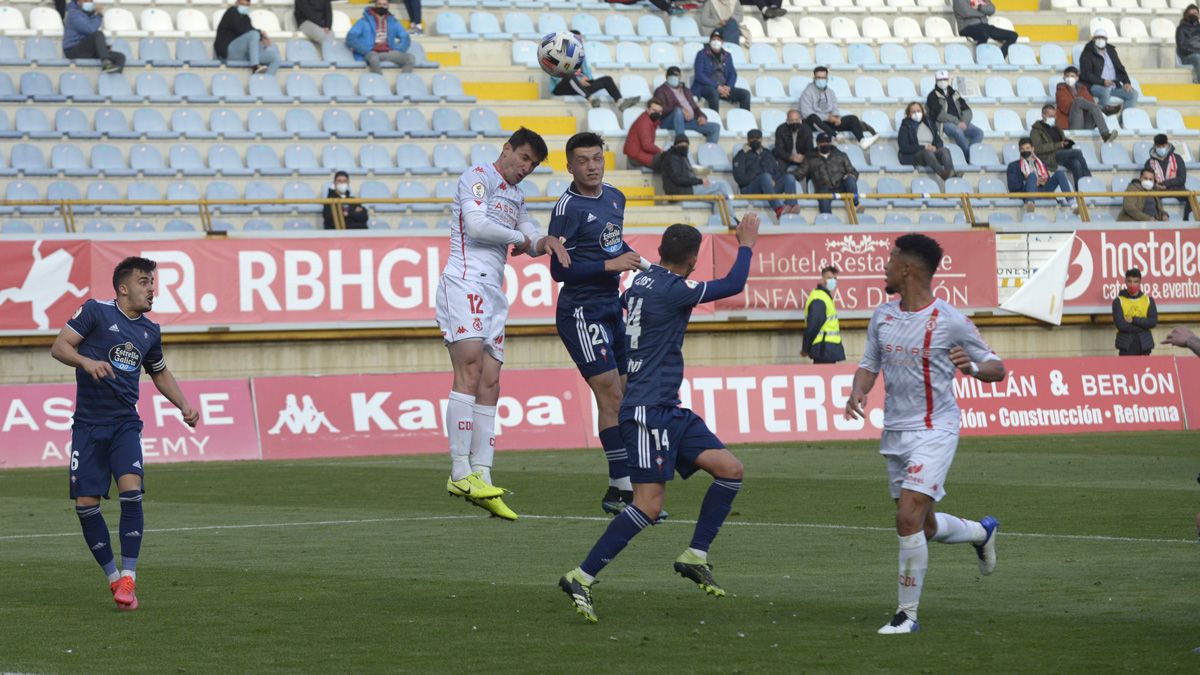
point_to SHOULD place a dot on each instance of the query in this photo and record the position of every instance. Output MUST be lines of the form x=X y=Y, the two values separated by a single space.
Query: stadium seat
x=71 y=122
x=301 y=159
x=138 y=226
x=485 y=122
x=186 y=159
x=303 y=53
x=1117 y=155
x=193 y=23
x=195 y=53
x=265 y=88
x=338 y=123
x=61 y=190
x=521 y=27
x=293 y=190
x=301 y=87
x=224 y=160
x=68 y=160
x=375 y=159
x=412 y=159
x=257 y=225
x=16 y=227
x=487 y=26
x=483 y=153
x=98 y=227
x=12 y=22
x=447 y=122
x=190 y=88
x=376 y=123
x=412 y=122
x=28 y=159
x=448 y=158
x=412 y=189
x=338 y=158
x=262 y=160
x=449 y=88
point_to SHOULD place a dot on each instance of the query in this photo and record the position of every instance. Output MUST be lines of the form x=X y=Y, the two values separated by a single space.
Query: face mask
x=655 y=116
x=716 y=45
x=342 y=188
x=831 y=285
x=793 y=126
x=88 y=7
x=825 y=150
x=755 y=145
x=1134 y=289
x=681 y=150
x=1101 y=43
x=1192 y=18
x=1162 y=152
x=1050 y=121
x=381 y=11
x=1147 y=185
x=943 y=84
x=1026 y=154
x=917 y=117
x=1071 y=81
x=672 y=81
x=821 y=84
x=243 y=10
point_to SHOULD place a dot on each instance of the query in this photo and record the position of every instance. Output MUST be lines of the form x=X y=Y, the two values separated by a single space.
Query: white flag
x=1041 y=297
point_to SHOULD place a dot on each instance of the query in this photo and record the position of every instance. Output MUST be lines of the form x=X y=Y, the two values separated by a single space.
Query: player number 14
x=660 y=439
x=633 y=323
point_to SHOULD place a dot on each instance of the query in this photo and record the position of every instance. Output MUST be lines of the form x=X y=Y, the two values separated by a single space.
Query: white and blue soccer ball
x=560 y=54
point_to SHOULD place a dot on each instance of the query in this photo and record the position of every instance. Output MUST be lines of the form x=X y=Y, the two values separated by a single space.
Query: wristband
x=643 y=264
x=974 y=369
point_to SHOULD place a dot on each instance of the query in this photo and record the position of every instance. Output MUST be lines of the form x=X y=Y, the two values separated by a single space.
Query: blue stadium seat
x=98 y=227
x=483 y=153
x=553 y=23
x=73 y=123
x=410 y=189
x=68 y=160
x=103 y=191
x=188 y=123
x=37 y=86
x=112 y=123
x=376 y=159
x=337 y=53
x=631 y=55
x=453 y=26
x=959 y=56
x=16 y=227
x=217 y=190
x=29 y=160
x=1141 y=151
x=1117 y=155
x=301 y=87
x=108 y=161
x=338 y=158
x=263 y=123
x=32 y=122
x=449 y=88
x=897 y=56
x=177 y=225
x=224 y=159
x=77 y=87
x=301 y=122
x=304 y=53
x=299 y=225
x=6 y=128
x=229 y=88
x=301 y=159
x=265 y=88
x=195 y=53
x=521 y=27
x=1052 y=55
x=863 y=56
x=9 y=93
x=192 y=89
x=138 y=226
x=883 y=156
x=377 y=123
x=257 y=225
x=1022 y=56
x=449 y=158
x=184 y=191
x=61 y=190
x=487 y=26
x=924 y=54
x=338 y=123
x=931 y=219
x=9 y=55
x=412 y=87
x=153 y=87
x=186 y=159
x=1171 y=121
x=116 y=88
x=989 y=57
x=377 y=224
x=146 y=191
x=45 y=51
x=157 y=53
x=262 y=160
x=228 y=124
x=484 y=121
x=150 y=123
x=147 y=160
x=713 y=156
x=298 y=190
x=373 y=189
x=20 y=190
x=589 y=26
x=447 y=122
x=651 y=26
x=1031 y=88
x=448 y=188
x=524 y=53
x=375 y=88
x=620 y=27
x=412 y=159
x=998 y=89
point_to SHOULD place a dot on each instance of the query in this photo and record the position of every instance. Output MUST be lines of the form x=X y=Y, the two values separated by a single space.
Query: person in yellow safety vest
x=1134 y=314
x=822 y=335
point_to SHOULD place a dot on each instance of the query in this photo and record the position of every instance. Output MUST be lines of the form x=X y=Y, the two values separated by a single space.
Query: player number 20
x=633 y=324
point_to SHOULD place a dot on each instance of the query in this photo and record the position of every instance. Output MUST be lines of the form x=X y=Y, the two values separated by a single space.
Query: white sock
x=483 y=439
x=703 y=555
x=621 y=483
x=914 y=559
x=585 y=576
x=458 y=427
x=129 y=573
x=115 y=576
x=955 y=530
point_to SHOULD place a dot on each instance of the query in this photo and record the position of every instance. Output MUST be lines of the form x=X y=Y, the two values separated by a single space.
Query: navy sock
x=95 y=533
x=614 y=451
x=718 y=501
x=624 y=527
x=131 y=529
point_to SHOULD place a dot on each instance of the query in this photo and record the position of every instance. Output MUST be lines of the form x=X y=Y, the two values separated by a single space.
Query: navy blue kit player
x=108 y=344
x=589 y=220
x=662 y=437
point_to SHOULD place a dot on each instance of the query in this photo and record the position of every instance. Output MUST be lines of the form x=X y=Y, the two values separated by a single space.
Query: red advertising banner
x=1168 y=258
x=1189 y=375
x=36 y=424
x=43 y=282
x=786 y=267
x=350 y=415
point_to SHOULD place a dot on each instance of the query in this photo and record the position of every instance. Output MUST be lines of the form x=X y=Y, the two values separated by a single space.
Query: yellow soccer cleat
x=472 y=487
x=496 y=507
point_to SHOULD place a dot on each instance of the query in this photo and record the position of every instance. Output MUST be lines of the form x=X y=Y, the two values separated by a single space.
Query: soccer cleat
x=496 y=507
x=472 y=487
x=900 y=624
x=615 y=500
x=689 y=566
x=987 y=550
x=124 y=594
x=580 y=592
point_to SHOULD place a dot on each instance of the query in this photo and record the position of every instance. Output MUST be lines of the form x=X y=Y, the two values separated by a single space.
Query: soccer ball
x=560 y=54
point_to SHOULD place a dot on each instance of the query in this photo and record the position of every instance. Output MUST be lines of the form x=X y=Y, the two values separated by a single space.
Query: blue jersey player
x=108 y=344
x=662 y=437
x=588 y=219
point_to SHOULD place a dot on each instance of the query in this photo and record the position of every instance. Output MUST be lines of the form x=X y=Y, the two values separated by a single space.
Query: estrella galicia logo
x=610 y=238
x=125 y=357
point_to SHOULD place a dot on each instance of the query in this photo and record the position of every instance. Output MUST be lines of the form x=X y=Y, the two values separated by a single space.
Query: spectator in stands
x=1184 y=337
x=947 y=108
x=83 y=39
x=714 y=77
x=921 y=143
x=822 y=332
x=830 y=171
x=640 y=148
x=378 y=37
x=1100 y=68
x=237 y=40
x=60 y=6
x=354 y=216
x=1053 y=148
x=972 y=17
x=722 y=17
x=678 y=176
x=680 y=111
x=1170 y=171
x=314 y=18
x=771 y=9
x=1030 y=174
x=1187 y=40
x=415 y=25
x=1077 y=109
x=793 y=140
x=581 y=83
x=757 y=172
x=1142 y=207
x=1134 y=313
x=819 y=110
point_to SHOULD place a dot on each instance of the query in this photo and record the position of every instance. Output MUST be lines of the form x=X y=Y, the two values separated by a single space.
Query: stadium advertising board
x=786 y=267
x=1168 y=258
x=43 y=282
x=35 y=424
x=1189 y=374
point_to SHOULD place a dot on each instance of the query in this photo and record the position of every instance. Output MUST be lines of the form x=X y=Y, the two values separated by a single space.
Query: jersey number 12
x=476 y=303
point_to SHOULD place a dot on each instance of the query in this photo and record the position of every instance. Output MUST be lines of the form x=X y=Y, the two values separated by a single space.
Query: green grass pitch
x=365 y=565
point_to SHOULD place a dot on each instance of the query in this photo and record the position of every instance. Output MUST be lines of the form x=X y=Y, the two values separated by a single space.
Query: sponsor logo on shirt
x=125 y=357
x=610 y=238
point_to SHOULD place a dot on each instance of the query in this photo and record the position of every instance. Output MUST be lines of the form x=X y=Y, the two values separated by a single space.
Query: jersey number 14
x=633 y=323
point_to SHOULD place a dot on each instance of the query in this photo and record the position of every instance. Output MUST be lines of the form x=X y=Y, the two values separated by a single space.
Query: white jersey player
x=917 y=342
x=488 y=218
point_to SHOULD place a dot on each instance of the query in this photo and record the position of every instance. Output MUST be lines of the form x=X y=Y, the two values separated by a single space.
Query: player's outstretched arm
x=582 y=271
x=66 y=350
x=166 y=384
x=864 y=381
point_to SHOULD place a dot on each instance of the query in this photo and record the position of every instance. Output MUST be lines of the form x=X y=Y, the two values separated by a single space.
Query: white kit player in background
x=918 y=342
x=488 y=217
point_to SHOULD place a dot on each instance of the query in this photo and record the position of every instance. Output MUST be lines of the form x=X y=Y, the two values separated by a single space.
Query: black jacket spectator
x=677 y=175
x=1133 y=336
x=906 y=137
x=789 y=141
x=827 y=173
x=749 y=164
x=319 y=12
x=233 y=25
x=1091 y=65
x=354 y=215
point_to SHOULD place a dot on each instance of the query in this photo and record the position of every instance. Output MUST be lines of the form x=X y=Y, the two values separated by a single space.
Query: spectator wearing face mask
x=972 y=18
x=640 y=148
x=1140 y=203
x=238 y=40
x=830 y=171
x=583 y=83
x=378 y=37
x=721 y=17
x=714 y=77
x=822 y=333
x=678 y=176
x=757 y=172
x=793 y=141
x=1030 y=174
x=1187 y=40
x=1134 y=313
x=1075 y=108
x=83 y=39
x=1100 y=68
x=948 y=109
x=353 y=215
x=1170 y=171
x=921 y=143
x=1054 y=149
x=680 y=112
x=819 y=110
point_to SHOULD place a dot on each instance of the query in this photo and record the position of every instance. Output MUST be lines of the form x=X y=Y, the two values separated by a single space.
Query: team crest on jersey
x=477 y=324
x=610 y=238
x=691 y=284
x=125 y=357
x=478 y=189
x=930 y=325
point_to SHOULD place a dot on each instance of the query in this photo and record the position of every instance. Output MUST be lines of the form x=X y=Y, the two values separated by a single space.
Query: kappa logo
x=499 y=339
x=114 y=328
x=307 y=419
x=48 y=280
x=460 y=330
x=914 y=468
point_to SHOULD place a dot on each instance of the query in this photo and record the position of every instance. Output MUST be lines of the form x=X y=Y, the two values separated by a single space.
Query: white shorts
x=919 y=460
x=469 y=310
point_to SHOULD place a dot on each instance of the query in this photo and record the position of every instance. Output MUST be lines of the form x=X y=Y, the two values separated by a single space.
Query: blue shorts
x=661 y=440
x=101 y=453
x=595 y=339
